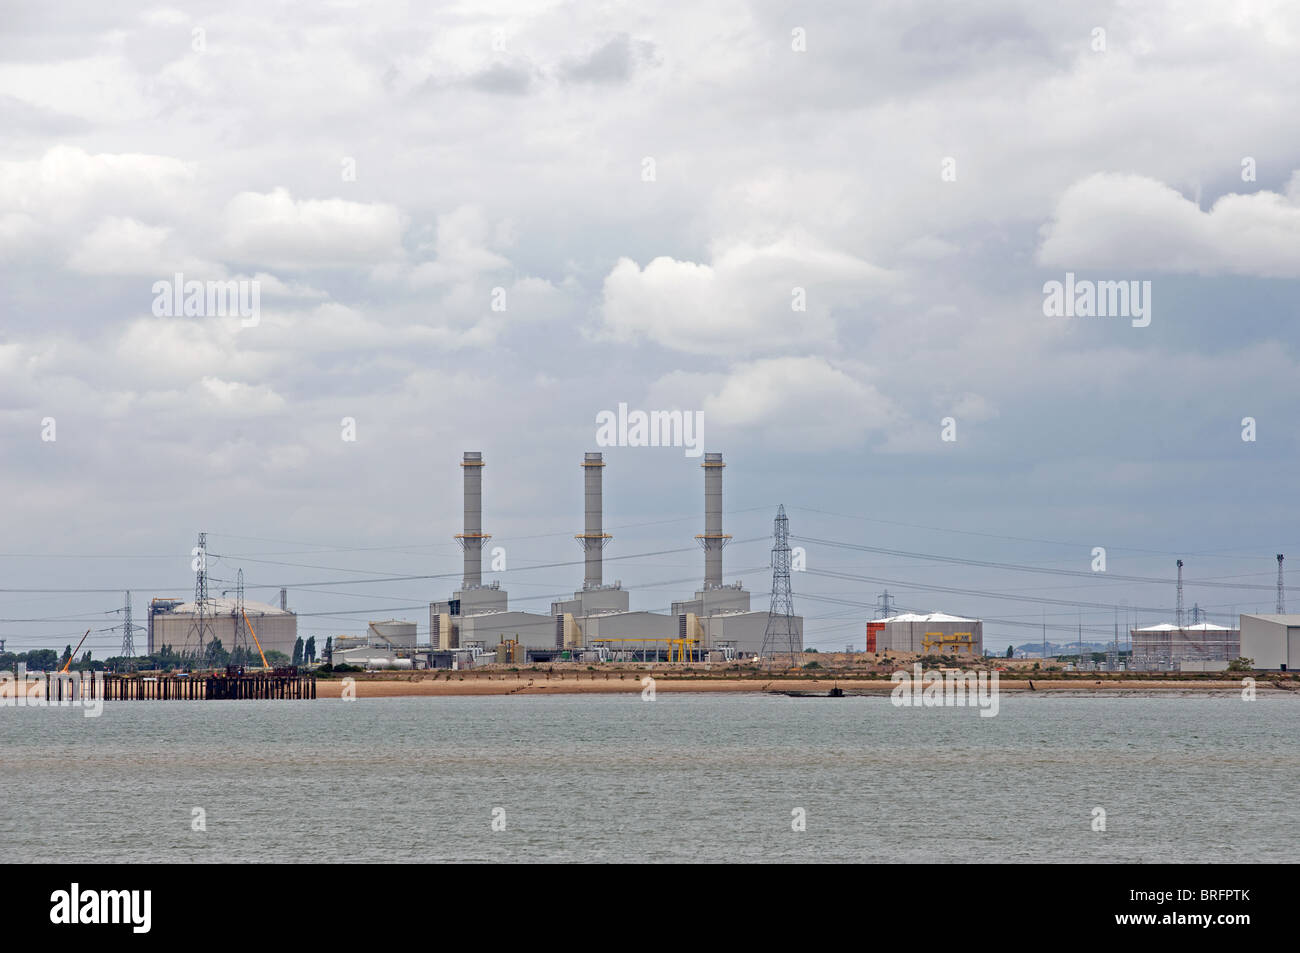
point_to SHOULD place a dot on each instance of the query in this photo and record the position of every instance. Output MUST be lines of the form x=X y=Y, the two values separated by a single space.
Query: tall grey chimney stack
x=471 y=541
x=713 y=539
x=284 y=598
x=593 y=538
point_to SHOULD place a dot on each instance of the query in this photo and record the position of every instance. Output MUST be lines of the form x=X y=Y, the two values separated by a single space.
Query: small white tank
x=385 y=663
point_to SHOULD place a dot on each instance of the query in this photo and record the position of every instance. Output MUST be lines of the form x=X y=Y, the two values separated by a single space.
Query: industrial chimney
x=471 y=541
x=593 y=538
x=712 y=539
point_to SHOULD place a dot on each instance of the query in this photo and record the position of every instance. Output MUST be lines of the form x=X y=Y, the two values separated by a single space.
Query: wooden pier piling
x=287 y=685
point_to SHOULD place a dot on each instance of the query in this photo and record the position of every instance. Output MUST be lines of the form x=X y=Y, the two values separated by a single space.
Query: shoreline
x=480 y=685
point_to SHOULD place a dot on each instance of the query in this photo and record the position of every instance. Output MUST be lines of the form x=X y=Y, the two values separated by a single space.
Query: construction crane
x=68 y=663
x=255 y=641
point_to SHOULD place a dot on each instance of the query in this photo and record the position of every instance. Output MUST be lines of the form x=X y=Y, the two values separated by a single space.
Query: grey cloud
x=612 y=62
x=19 y=118
x=502 y=79
x=828 y=156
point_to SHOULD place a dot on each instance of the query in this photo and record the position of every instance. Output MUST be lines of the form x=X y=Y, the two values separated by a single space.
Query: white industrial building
x=1166 y=647
x=933 y=633
x=1272 y=641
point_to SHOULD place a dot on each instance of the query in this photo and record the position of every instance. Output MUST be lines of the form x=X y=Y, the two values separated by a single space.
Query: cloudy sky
x=643 y=189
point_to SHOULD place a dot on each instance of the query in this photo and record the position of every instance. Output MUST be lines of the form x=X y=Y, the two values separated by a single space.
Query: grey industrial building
x=1272 y=641
x=718 y=620
x=175 y=624
x=384 y=641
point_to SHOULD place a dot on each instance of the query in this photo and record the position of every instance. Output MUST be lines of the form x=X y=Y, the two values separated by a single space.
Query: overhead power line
x=987 y=594
x=1017 y=567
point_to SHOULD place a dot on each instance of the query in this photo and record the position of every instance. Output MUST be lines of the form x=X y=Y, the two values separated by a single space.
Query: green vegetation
x=166 y=659
x=1241 y=664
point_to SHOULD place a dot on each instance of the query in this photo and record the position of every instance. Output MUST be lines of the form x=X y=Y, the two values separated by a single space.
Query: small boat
x=833 y=693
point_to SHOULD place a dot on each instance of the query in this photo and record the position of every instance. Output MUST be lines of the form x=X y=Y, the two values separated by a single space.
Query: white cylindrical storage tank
x=393 y=632
x=388 y=663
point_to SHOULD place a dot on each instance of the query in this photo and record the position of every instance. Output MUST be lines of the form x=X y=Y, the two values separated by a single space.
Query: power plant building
x=721 y=611
x=599 y=617
x=478 y=613
x=595 y=598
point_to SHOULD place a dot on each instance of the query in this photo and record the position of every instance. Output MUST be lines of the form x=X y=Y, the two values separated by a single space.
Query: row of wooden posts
x=252 y=685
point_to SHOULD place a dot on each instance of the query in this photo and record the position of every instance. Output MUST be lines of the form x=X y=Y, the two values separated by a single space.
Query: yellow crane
x=68 y=663
x=255 y=642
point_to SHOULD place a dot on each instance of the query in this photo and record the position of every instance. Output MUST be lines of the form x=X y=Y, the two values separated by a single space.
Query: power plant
x=716 y=623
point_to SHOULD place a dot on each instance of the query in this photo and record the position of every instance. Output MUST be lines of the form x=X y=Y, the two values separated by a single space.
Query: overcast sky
x=919 y=169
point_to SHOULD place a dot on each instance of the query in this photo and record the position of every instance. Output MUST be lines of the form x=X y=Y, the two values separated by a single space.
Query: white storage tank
x=386 y=663
x=395 y=632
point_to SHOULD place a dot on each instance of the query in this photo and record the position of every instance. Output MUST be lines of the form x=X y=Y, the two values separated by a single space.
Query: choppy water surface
x=686 y=777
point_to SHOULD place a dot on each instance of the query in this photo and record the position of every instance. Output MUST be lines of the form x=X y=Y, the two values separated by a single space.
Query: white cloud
x=742 y=303
x=69 y=184
x=237 y=397
x=124 y=246
x=274 y=229
x=818 y=404
x=462 y=249
x=1133 y=222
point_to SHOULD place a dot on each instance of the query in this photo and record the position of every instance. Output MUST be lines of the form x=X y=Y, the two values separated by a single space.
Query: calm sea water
x=683 y=778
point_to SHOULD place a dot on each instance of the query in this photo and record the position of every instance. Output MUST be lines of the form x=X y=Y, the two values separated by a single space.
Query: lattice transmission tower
x=241 y=639
x=1178 y=611
x=1281 y=588
x=782 y=635
x=128 y=627
x=201 y=629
